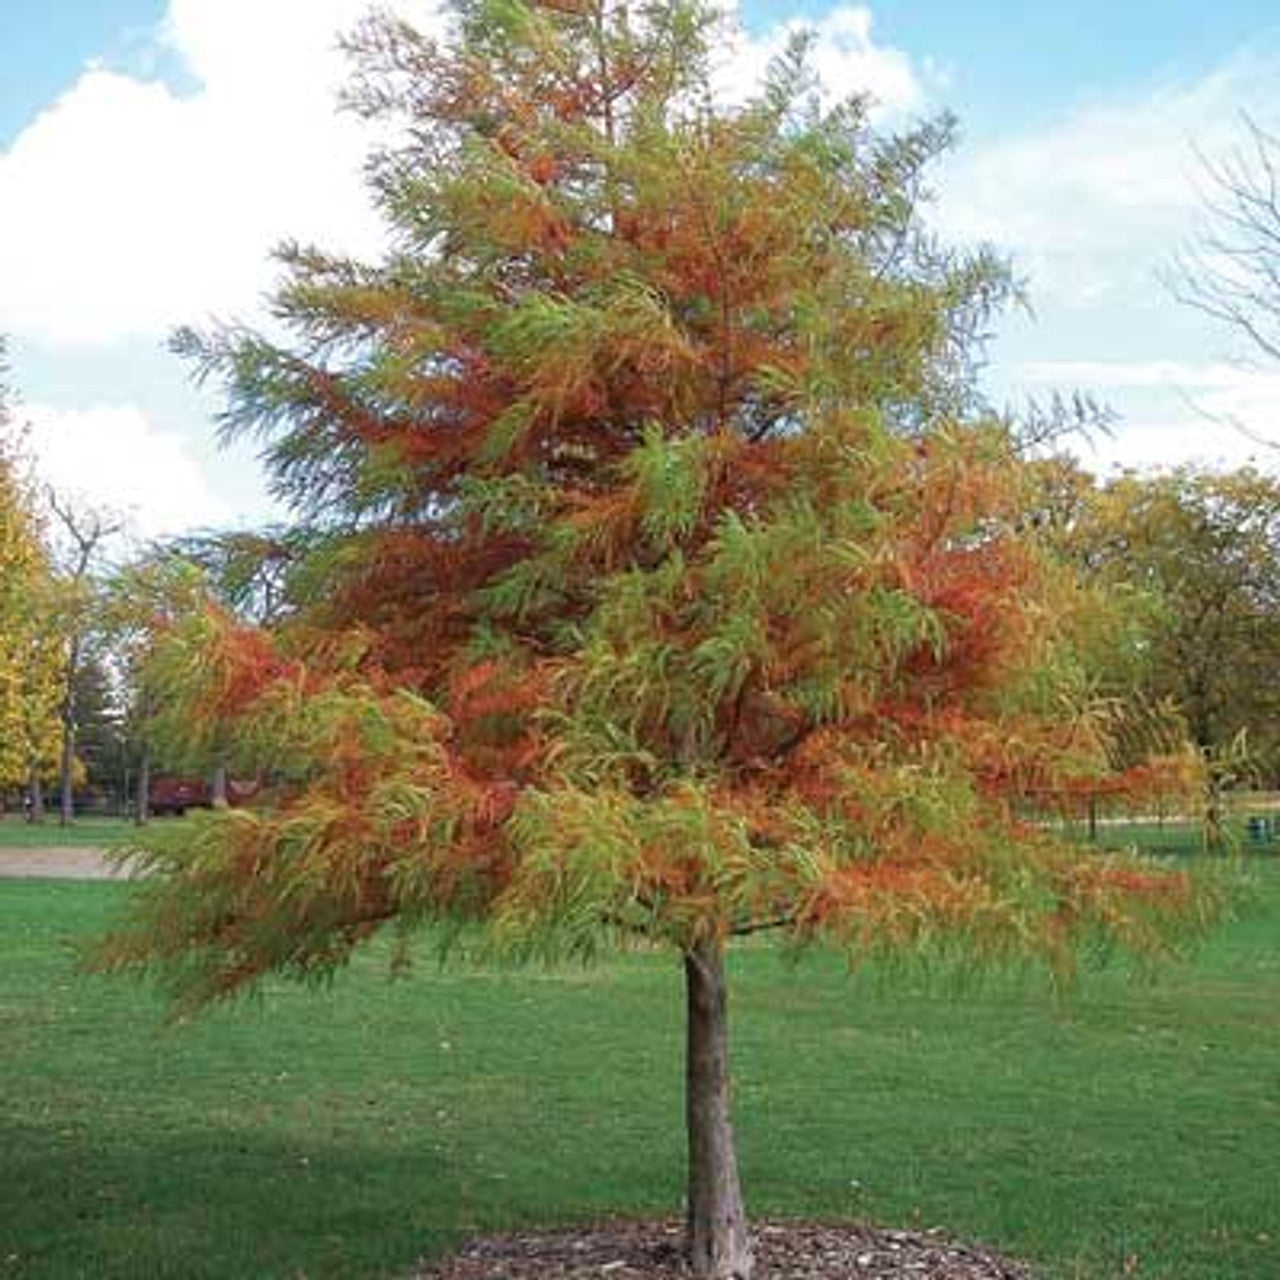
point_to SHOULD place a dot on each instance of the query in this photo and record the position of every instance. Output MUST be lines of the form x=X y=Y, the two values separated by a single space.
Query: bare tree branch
x=86 y=529
x=1232 y=271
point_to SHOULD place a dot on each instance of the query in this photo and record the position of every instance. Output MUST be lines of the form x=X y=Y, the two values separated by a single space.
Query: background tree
x=251 y=574
x=19 y=557
x=1149 y=765
x=1232 y=272
x=84 y=533
x=103 y=749
x=144 y=598
x=673 y=590
x=29 y=654
x=1202 y=549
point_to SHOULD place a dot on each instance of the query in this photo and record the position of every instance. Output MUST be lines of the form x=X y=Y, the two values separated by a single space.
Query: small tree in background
x=664 y=583
x=1150 y=764
x=83 y=533
x=1204 y=547
x=143 y=600
x=30 y=651
x=250 y=574
x=1232 y=271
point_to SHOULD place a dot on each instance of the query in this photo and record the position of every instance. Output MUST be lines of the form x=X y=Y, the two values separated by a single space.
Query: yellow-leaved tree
x=30 y=657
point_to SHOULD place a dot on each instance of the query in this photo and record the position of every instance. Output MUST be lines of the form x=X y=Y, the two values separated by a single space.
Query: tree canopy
x=664 y=579
x=30 y=655
x=1203 y=548
x=1232 y=273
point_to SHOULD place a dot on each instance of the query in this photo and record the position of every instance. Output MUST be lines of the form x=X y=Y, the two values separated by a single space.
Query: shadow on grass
x=220 y=1203
x=344 y=1134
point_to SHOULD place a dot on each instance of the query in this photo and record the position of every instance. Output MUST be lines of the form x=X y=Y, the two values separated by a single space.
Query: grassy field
x=345 y=1133
x=15 y=833
x=1174 y=836
x=1181 y=838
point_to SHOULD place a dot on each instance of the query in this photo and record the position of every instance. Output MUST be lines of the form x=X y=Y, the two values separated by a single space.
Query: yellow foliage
x=31 y=656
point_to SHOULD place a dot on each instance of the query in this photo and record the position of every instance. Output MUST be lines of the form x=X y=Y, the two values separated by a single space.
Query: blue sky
x=1013 y=64
x=152 y=150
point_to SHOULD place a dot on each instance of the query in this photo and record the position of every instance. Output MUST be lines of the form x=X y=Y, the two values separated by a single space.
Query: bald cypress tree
x=661 y=583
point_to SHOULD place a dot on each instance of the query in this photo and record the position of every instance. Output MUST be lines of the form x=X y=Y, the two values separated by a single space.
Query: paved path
x=57 y=864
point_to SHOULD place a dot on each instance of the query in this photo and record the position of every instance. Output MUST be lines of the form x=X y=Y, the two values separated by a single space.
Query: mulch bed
x=783 y=1251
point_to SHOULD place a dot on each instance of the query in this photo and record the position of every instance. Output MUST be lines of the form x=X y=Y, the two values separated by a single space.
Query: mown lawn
x=89 y=832
x=345 y=1133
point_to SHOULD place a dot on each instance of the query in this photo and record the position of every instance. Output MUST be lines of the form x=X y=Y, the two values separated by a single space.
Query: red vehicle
x=172 y=794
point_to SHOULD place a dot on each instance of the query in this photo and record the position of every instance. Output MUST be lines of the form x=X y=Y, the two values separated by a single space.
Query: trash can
x=1260 y=830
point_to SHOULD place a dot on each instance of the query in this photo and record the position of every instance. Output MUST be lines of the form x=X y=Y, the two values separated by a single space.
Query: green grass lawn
x=1183 y=837
x=95 y=832
x=347 y=1132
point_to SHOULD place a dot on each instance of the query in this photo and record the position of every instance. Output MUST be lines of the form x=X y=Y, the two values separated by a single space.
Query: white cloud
x=1208 y=412
x=845 y=56
x=1161 y=442
x=1216 y=376
x=126 y=208
x=1094 y=205
x=114 y=458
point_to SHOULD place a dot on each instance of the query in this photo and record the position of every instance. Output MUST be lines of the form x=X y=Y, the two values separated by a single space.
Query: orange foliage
x=679 y=589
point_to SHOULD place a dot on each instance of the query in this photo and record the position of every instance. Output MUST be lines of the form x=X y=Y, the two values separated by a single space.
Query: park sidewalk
x=57 y=864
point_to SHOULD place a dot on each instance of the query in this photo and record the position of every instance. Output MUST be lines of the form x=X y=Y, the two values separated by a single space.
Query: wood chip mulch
x=783 y=1251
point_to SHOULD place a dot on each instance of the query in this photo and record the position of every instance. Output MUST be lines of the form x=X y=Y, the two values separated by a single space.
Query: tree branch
x=749 y=927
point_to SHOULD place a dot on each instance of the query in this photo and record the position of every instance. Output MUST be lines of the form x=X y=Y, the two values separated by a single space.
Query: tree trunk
x=66 y=780
x=718 y=1243
x=66 y=764
x=1214 y=836
x=218 y=785
x=35 y=796
x=142 y=809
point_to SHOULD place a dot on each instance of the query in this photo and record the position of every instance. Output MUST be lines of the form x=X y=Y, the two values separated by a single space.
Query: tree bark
x=718 y=1243
x=142 y=805
x=67 y=760
x=35 y=796
x=86 y=530
x=218 y=785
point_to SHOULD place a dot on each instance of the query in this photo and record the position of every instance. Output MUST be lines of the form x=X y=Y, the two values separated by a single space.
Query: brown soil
x=783 y=1251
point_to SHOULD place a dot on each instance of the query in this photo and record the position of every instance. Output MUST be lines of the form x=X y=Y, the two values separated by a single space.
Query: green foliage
x=659 y=571
x=1195 y=554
